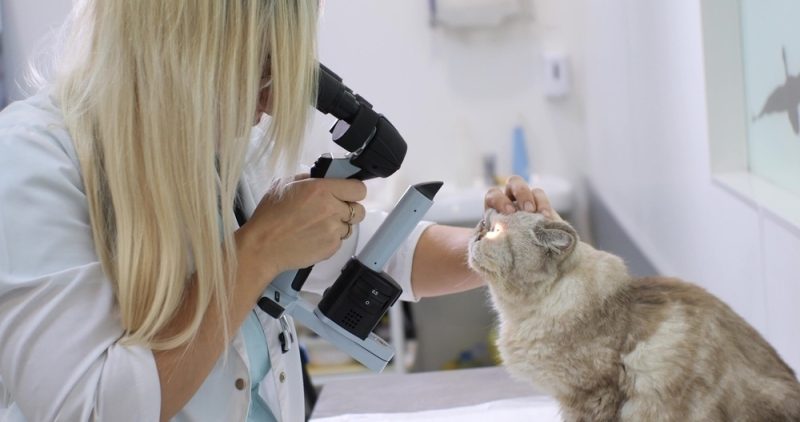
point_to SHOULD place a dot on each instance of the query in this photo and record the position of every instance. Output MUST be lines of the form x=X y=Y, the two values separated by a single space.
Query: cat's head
x=522 y=247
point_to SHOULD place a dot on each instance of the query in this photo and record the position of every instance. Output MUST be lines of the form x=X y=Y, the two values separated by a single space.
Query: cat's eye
x=494 y=232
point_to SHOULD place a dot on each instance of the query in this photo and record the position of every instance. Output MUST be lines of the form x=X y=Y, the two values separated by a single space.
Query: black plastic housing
x=359 y=298
x=379 y=147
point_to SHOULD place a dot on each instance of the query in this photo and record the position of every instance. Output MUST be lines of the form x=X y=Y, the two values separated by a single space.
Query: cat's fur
x=613 y=348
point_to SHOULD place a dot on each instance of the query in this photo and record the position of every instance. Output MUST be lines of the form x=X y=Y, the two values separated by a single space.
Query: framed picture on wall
x=771 y=60
x=752 y=61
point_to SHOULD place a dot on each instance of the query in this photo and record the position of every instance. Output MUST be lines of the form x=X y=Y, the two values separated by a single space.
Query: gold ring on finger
x=352 y=213
x=349 y=231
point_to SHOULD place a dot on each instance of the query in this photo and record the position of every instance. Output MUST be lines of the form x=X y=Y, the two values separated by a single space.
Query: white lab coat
x=59 y=324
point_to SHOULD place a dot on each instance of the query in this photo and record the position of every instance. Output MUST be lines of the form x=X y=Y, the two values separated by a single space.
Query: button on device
x=240 y=384
x=372 y=305
x=370 y=291
x=372 y=295
x=282 y=376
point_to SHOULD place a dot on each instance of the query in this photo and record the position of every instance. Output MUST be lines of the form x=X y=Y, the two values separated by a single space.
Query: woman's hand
x=518 y=191
x=306 y=224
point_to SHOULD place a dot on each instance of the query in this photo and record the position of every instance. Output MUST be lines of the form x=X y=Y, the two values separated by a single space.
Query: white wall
x=26 y=26
x=455 y=97
x=649 y=163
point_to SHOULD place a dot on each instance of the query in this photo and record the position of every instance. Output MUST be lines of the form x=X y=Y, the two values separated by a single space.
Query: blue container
x=519 y=159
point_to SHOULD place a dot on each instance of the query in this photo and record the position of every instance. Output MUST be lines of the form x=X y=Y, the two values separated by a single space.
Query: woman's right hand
x=306 y=224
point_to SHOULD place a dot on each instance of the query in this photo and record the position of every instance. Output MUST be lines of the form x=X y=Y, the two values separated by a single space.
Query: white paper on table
x=529 y=409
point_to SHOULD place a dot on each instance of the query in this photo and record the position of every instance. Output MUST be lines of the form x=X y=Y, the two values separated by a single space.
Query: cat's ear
x=555 y=237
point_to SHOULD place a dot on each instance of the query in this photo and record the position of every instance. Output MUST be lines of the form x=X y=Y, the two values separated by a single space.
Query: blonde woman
x=127 y=290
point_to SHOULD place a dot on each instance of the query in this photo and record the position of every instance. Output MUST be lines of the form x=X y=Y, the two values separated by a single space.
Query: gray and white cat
x=613 y=348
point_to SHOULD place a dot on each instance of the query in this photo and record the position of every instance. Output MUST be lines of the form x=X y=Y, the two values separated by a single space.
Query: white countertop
x=390 y=393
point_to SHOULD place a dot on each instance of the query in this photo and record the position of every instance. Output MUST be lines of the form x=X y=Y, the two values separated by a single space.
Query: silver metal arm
x=400 y=222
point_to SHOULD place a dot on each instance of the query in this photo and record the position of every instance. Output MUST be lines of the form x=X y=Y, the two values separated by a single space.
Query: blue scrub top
x=256 y=343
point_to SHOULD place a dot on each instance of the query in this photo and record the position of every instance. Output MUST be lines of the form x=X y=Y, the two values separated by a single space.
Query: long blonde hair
x=160 y=97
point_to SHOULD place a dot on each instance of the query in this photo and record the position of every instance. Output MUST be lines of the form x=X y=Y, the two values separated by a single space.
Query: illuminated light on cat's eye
x=494 y=232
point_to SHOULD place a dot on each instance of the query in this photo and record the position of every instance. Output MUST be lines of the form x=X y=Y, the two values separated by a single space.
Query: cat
x=610 y=347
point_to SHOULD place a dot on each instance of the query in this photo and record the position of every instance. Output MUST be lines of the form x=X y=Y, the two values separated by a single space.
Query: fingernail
x=510 y=209
x=529 y=206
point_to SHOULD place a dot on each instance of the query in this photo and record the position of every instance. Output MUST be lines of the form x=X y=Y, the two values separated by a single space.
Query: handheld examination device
x=354 y=305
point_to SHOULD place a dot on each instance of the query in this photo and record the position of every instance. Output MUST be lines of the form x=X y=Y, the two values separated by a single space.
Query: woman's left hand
x=527 y=199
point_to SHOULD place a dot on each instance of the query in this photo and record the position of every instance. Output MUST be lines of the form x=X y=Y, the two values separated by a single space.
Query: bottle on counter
x=519 y=154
